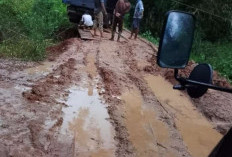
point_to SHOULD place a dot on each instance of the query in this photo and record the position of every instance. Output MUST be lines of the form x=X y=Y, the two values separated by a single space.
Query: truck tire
x=73 y=14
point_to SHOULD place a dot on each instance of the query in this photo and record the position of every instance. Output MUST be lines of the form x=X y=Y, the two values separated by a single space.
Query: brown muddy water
x=86 y=118
x=198 y=134
x=44 y=69
x=144 y=128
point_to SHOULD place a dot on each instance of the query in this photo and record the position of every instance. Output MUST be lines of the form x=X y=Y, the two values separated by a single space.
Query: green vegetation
x=28 y=27
x=217 y=54
x=150 y=38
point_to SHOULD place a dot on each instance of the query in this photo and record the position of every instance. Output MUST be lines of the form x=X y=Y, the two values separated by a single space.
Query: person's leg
x=95 y=23
x=137 y=24
x=120 y=26
x=100 y=17
x=136 y=33
x=113 y=28
x=132 y=32
x=133 y=28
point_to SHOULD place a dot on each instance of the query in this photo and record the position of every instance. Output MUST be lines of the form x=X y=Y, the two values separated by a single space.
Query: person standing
x=98 y=15
x=121 y=8
x=138 y=15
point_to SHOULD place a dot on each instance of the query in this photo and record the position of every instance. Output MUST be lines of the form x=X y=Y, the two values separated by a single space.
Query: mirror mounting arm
x=184 y=83
x=181 y=80
x=211 y=86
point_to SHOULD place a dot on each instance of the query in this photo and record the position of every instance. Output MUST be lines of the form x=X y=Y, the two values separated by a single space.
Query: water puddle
x=198 y=134
x=22 y=88
x=146 y=132
x=92 y=72
x=86 y=119
x=43 y=69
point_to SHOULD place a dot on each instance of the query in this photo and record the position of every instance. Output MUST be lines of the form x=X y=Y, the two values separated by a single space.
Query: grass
x=219 y=55
x=147 y=35
x=28 y=27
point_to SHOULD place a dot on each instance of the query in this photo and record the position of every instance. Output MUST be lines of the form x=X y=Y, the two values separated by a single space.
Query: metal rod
x=176 y=74
x=184 y=82
x=228 y=90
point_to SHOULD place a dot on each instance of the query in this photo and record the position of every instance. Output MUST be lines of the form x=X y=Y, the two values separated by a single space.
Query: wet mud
x=188 y=121
x=109 y=99
x=85 y=118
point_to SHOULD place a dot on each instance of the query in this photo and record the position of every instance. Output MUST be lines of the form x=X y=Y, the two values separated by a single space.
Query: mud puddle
x=43 y=69
x=86 y=118
x=197 y=133
x=92 y=73
x=149 y=135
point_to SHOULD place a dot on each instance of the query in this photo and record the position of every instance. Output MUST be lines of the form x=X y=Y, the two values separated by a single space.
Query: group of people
x=122 y=7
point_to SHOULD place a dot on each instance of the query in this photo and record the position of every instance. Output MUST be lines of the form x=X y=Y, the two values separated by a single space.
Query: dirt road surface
x=105 y=99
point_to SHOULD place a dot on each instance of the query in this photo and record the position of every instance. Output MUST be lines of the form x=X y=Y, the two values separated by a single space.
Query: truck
x=76 y=8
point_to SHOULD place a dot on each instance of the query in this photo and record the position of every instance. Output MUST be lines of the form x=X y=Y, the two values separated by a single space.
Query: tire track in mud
x=115 y=80
x=91 y=80
x=124 y=68
x=111 y=96
x=172 y=143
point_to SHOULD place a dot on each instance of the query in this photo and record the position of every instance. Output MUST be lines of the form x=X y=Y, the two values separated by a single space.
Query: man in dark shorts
x=98 y=16
x=138 y=15
x=121 y=8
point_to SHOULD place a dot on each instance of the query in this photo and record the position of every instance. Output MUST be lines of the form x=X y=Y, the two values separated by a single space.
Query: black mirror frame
x=162 y=35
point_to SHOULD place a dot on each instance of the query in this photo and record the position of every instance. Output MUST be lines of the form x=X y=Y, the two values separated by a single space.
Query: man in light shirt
x=138 y=15
x=86 y=20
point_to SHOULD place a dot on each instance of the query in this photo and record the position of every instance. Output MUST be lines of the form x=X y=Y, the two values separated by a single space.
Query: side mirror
x=176 y=40
x=174 y=51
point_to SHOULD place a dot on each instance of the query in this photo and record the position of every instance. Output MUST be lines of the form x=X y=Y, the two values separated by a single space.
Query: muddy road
x=105 y=99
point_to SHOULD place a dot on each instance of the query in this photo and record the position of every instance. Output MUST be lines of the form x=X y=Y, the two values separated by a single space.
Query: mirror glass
x=176 y=40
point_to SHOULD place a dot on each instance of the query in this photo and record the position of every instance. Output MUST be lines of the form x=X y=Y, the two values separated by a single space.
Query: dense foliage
x=28 y=26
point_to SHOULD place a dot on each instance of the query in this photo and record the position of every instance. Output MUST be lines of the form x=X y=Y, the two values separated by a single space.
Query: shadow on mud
x=67 y=33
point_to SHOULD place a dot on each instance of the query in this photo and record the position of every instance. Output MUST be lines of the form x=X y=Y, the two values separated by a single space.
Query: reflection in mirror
x=176 y=41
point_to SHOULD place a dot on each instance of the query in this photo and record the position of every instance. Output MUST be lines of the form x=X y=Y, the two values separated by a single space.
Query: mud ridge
x=43 y=88
x=124 y=146
x=53 y=52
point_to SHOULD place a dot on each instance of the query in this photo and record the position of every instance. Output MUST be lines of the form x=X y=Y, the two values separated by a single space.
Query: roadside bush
x=28 y=27
x=149 y=37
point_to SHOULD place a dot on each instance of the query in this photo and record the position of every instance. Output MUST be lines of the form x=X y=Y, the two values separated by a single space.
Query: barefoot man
x=98 y=14
x=138 y=15
x=121 y=8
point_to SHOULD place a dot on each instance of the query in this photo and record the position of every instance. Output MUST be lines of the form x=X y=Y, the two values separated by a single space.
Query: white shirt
x=87 y=19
